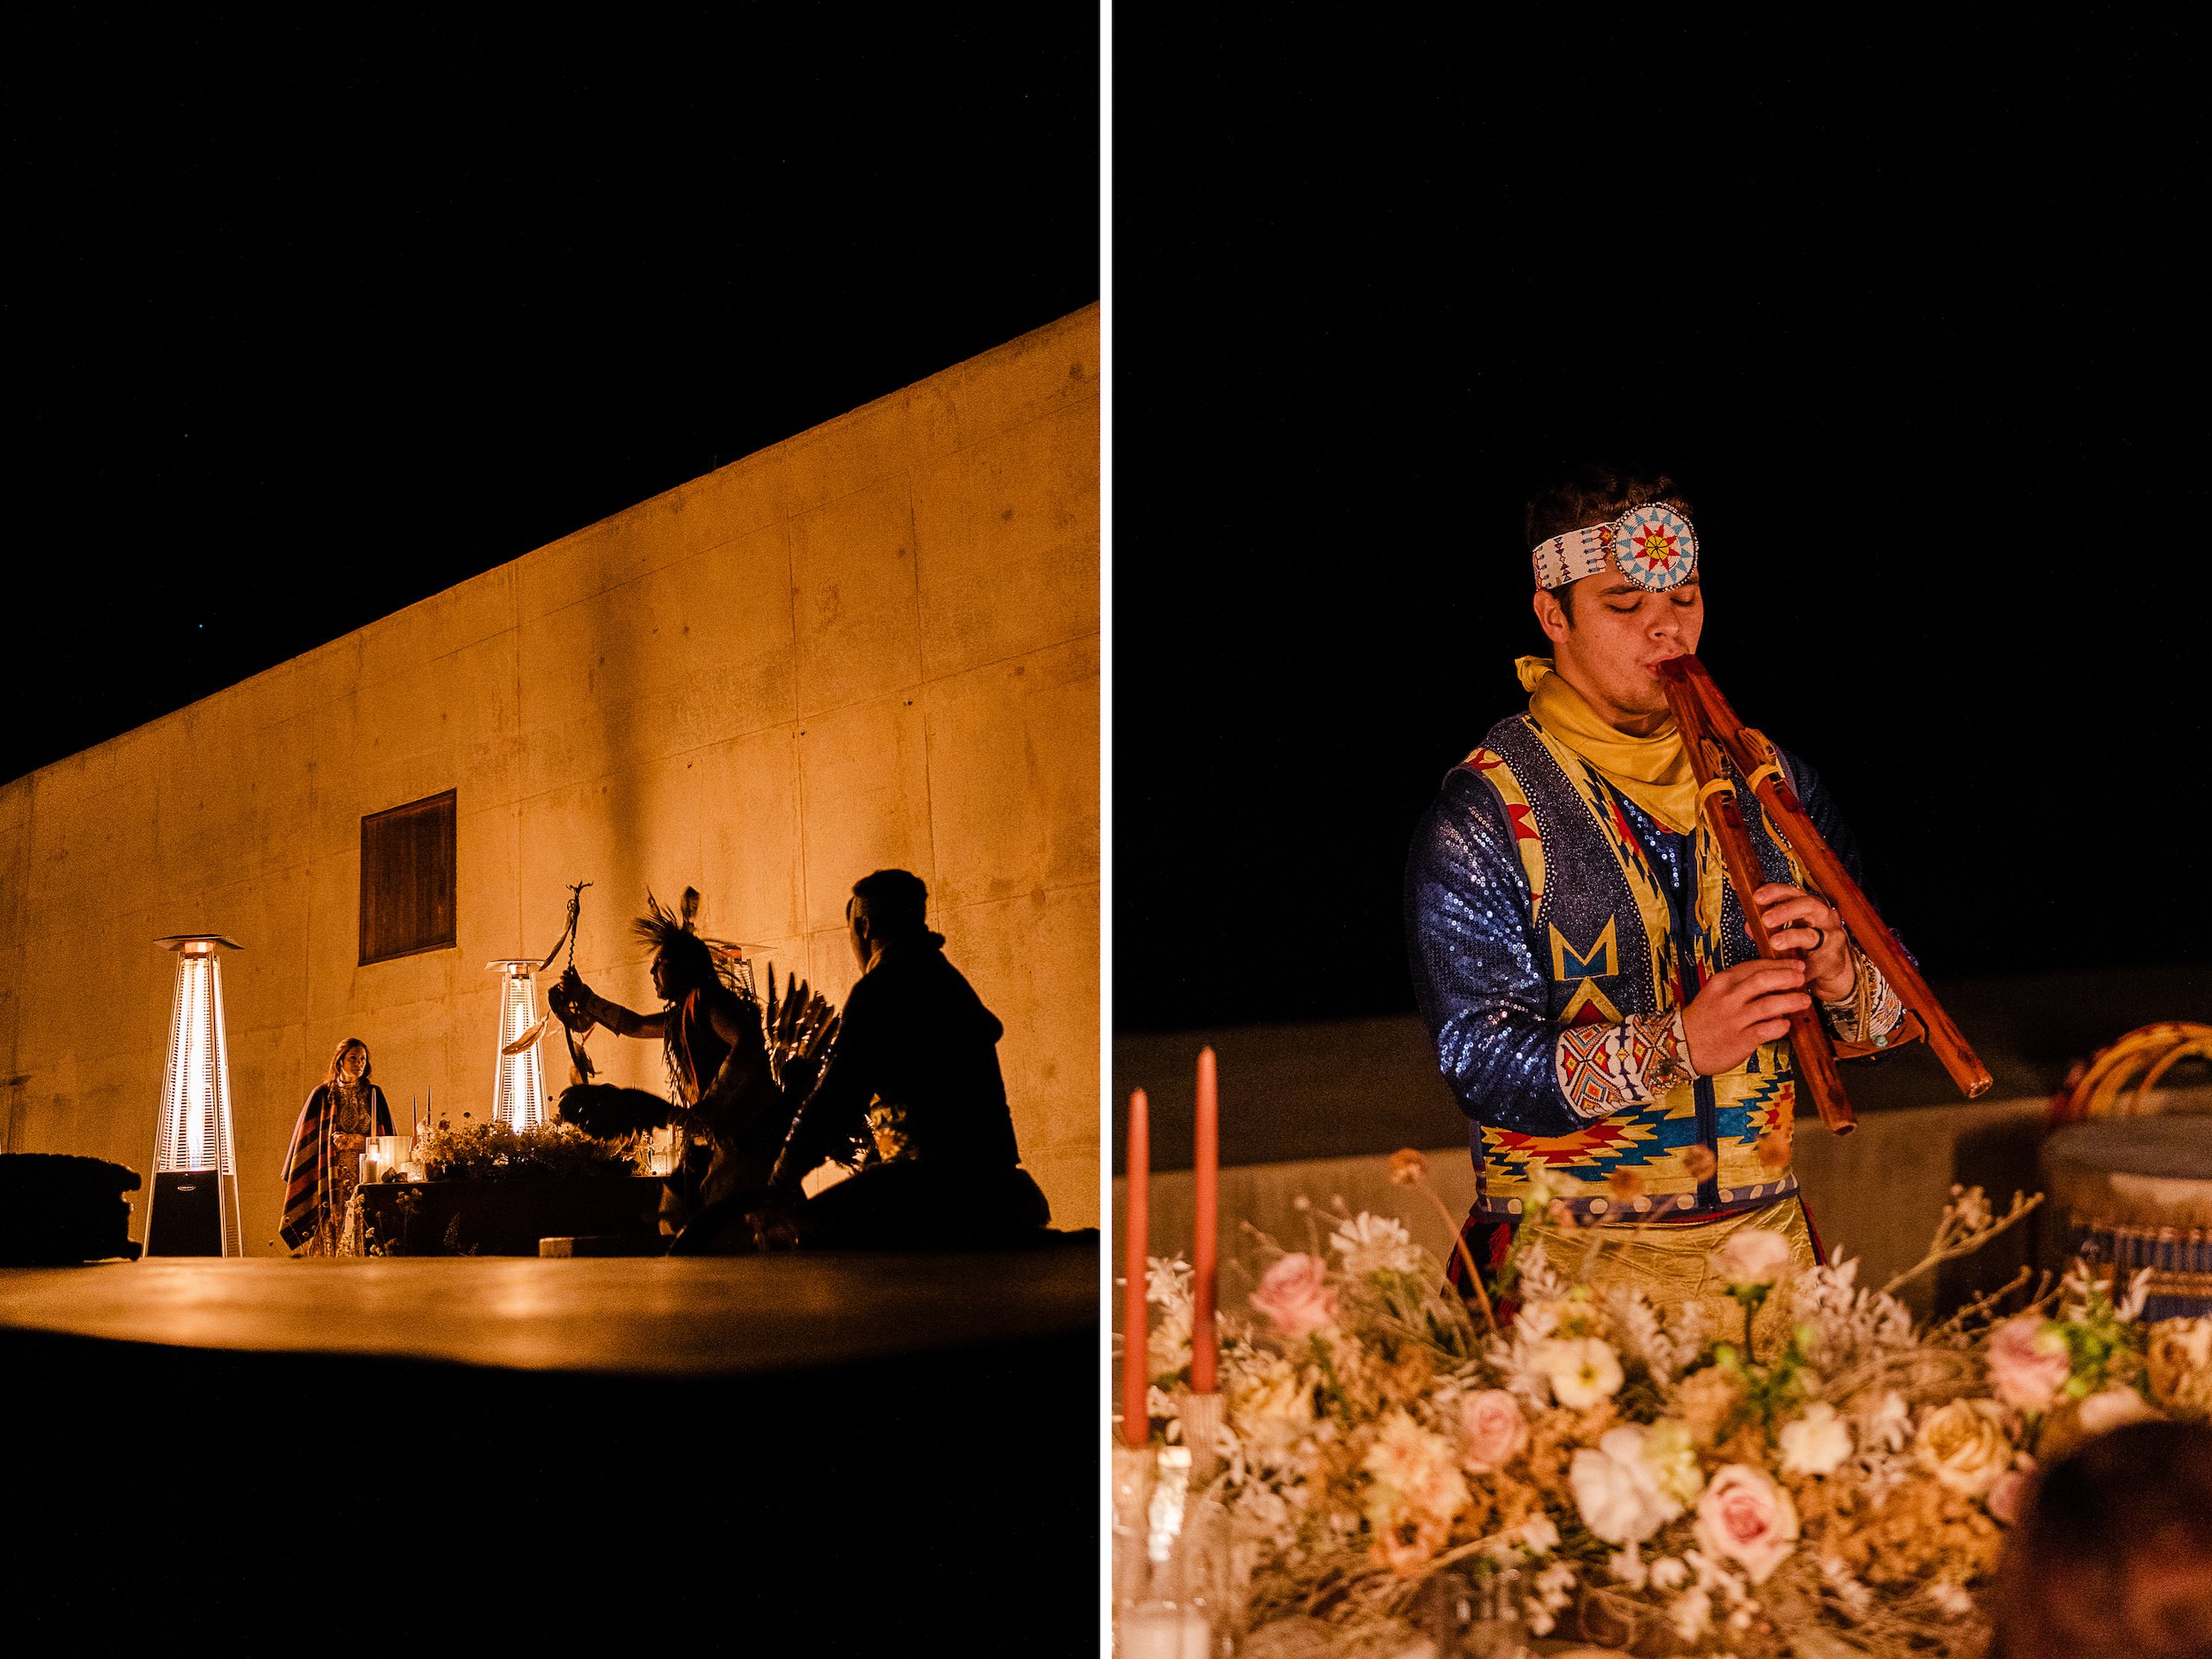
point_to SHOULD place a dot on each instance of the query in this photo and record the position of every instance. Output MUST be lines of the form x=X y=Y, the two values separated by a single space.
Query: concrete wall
x=875 y=644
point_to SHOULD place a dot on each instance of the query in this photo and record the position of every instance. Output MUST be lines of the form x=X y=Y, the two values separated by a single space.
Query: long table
x=785 y=1453
x=506 y=1218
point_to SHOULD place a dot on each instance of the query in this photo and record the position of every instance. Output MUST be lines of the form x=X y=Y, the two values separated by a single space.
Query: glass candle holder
x=1166 y=1629
x=1477 y=1610
x=1132 y=1501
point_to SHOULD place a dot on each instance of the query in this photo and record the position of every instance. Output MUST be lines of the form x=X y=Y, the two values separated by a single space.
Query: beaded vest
x=1619 y=941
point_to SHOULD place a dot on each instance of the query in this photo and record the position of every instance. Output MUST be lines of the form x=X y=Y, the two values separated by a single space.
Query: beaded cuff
x=1870 y=1011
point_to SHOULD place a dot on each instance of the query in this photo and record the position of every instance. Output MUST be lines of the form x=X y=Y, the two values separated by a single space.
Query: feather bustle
x=607 y=1111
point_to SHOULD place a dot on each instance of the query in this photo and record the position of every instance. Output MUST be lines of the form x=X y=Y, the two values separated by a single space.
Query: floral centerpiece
x=495 y=1152
x=1834 y=1480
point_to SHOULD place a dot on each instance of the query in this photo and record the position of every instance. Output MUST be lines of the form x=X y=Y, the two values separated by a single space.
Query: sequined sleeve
x=1476 y=977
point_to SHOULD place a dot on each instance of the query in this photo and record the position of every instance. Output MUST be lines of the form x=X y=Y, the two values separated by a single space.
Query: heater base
x=186 y=1216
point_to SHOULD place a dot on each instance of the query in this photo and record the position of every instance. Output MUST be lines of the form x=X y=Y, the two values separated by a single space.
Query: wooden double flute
x=1717 y=740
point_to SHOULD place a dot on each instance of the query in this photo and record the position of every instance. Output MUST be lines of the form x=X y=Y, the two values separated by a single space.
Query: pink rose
x=1746 y=1516
x=1493 y=1428
x=2003 y=1502
x=1753 y=1256
x=1295 y=1295
x=2028 y=1362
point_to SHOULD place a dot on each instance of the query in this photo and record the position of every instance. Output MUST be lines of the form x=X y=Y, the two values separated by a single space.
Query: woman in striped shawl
x=322 y=1166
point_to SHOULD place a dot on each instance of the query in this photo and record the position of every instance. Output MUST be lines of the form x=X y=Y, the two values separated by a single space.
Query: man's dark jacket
x=914 y=1036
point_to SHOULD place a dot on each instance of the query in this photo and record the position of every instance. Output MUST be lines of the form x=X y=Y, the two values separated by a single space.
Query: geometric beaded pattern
x=1653 y=546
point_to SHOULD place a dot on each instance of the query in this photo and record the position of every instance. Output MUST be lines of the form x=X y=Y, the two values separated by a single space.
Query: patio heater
x=519 y=1093
x=193 y=1208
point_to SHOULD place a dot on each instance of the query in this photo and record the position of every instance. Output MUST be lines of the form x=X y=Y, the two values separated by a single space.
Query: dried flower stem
x=1949 y=1245
x=1459 y=1243
x=1450 y=1558
x=1981 y=1305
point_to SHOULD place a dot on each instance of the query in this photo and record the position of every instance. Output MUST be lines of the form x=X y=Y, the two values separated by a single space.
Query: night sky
x=308 y=320
x=1908 y=319
x=304 y=324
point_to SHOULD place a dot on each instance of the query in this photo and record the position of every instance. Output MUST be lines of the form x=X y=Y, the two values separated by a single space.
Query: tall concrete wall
x=876 y=644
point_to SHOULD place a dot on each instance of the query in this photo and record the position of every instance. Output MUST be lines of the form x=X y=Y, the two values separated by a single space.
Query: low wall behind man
x=875 y=644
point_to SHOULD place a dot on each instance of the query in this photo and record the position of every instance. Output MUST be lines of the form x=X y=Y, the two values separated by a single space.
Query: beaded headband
x=1653 y=546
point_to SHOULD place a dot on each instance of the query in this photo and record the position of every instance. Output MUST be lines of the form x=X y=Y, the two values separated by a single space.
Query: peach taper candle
x=1205 y=1183
x=1136 y=1421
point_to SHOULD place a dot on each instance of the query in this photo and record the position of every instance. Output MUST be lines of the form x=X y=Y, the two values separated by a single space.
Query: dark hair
x=1592 y=494
x=338 y=1059
x=2109 y=1557
x=672 y=936
x=895 y=901
x=690 y=964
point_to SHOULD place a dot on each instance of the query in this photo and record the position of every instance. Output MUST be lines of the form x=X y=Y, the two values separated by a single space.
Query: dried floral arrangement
x=1826 y=1478
x=471 y=1151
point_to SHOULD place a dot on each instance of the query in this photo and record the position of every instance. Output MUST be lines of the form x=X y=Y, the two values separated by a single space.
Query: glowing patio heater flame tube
x=194 y=1169
x=518 y=1090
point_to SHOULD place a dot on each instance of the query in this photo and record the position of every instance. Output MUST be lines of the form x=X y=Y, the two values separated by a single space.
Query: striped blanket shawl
x=307 y=1164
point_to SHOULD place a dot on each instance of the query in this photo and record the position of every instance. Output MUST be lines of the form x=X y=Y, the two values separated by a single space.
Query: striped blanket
x=308 y=1166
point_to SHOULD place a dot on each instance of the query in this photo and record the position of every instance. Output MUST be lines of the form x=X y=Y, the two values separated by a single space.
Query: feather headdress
x=676 y=931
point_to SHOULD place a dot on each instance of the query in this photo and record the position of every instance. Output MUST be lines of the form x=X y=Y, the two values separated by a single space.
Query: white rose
x=1670 y=1457
x=1966 y=1445
x=1753 y=1256
x=1616 y=1488
x=1581 y=1372
x=2111 y=1407
x=1271 y=1399
x=1814 y=1443
x=1540 y=1537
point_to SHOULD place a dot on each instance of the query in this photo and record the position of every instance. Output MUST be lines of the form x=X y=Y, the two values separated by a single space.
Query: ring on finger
x=1820 y=936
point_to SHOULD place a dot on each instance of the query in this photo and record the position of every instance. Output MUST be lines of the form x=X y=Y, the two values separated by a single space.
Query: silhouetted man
x=915 y=1072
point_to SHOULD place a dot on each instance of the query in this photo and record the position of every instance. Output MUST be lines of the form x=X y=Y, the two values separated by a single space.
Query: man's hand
x=1798 y=920
x=1740 y=1007
x=572 y=1002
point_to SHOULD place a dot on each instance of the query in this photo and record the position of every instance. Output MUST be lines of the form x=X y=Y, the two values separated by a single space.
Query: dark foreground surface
x=777 y=1455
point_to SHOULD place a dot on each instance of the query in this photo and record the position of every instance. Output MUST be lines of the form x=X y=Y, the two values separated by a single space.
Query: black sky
x=306 y=322
x=308 y=319
x=1916 y=323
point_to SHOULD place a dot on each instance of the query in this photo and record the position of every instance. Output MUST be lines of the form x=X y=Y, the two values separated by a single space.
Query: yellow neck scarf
x=1653 y=772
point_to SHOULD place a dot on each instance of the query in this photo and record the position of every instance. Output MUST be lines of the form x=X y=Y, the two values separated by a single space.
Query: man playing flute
x=1598 y=1006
